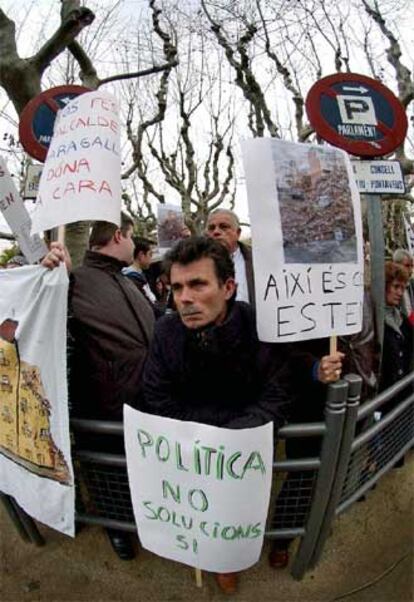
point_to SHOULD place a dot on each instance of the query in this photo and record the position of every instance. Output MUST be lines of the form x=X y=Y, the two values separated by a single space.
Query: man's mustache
x=189 y=311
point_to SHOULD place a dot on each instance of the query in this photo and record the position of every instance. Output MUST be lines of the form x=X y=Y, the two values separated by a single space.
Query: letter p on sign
x=357 y=109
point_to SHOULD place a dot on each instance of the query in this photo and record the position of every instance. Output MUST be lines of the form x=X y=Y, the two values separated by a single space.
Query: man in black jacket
x=206 y=363
x=110 y=327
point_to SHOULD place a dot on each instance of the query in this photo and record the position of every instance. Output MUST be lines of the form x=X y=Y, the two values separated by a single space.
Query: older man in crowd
x=223 y=225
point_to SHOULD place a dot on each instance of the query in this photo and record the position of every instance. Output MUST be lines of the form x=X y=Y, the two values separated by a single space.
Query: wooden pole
x=199 y=578
x=333 y=344
x=61 y=234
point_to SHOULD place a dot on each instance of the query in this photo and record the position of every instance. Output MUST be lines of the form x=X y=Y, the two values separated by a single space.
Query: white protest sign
x=35 y=458
x=170 y=225
x=307 y=240
x=81 y=178
x=18 y=218
x=200 y=493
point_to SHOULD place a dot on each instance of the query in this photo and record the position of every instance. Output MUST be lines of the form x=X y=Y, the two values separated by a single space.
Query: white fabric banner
x=81 y=178
x=307 y=240
x=35 y=460
x=200 y=493
x=18 y=218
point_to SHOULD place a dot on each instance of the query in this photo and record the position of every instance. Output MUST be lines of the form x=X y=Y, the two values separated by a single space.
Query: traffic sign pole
x=363 y=117
x=377 y=257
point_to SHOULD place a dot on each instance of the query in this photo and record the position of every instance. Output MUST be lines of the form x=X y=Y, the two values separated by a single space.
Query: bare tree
x=179 y=157
x=21 y=77
x=278 y=49
x=394 y=209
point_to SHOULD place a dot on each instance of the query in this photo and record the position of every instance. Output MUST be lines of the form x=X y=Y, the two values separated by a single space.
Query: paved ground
x=372 y=546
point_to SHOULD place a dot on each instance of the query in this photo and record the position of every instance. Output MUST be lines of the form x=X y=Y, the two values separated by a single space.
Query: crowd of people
x=194 y=354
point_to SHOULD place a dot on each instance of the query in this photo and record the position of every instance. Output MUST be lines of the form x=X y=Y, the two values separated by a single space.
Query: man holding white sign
x=110 y=326
x=206 y=363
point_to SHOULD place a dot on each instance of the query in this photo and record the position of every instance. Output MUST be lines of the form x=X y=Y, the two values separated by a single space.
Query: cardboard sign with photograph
x=171 y=226
x=307 y=240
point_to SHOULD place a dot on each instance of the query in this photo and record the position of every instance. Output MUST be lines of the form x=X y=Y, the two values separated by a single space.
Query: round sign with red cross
x=38 y=118
x=357 y=113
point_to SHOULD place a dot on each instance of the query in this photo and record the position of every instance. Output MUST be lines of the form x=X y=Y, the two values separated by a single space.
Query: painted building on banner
x=25 y=435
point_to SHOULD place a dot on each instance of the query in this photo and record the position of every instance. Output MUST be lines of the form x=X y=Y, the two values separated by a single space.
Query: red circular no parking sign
x=357 y=113
x=38 y=118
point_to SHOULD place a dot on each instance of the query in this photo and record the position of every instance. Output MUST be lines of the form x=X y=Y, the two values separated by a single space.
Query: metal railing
x=352 y=450
x=376 y=436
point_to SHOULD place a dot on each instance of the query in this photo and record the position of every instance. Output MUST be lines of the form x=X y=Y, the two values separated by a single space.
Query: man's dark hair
x=102 y=232
x=197 y=247
x=141 y=245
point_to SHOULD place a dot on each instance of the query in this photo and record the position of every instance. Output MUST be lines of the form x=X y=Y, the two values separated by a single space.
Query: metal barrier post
x=354 y=393
x=335 y=417
x=14 y=516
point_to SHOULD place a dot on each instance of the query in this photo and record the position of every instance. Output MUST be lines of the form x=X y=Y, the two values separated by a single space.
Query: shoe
x=279 y=556
x=227 y=582
x=122 y=544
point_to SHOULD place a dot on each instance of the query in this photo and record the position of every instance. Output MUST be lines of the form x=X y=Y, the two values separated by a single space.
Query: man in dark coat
x=110 y=328
x=111 y=324
x=223 y=225
x=206 y=363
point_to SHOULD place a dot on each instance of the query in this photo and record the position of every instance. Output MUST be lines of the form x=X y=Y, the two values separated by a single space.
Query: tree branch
x=137 y=74
x=403 y=74
x=74 y=22
x=88 y=74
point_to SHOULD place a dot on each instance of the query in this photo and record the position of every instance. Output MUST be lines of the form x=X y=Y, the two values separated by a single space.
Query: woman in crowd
x=397 y=358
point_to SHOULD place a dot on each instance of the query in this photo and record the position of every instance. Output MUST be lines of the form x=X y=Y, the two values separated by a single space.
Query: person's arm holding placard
x=57 y=254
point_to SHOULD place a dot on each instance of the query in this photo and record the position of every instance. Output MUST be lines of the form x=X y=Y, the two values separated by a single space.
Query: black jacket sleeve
x=158 y=382
x=275 y=398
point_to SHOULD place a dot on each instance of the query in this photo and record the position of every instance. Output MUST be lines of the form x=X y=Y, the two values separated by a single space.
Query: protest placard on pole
x=200 y=493
x=81 y=178
x=35 y=457
x=18 y=218
x=307 y=240
x=170 y=225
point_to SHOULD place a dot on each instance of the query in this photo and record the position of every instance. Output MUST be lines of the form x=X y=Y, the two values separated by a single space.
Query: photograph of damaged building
x=315 y=205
